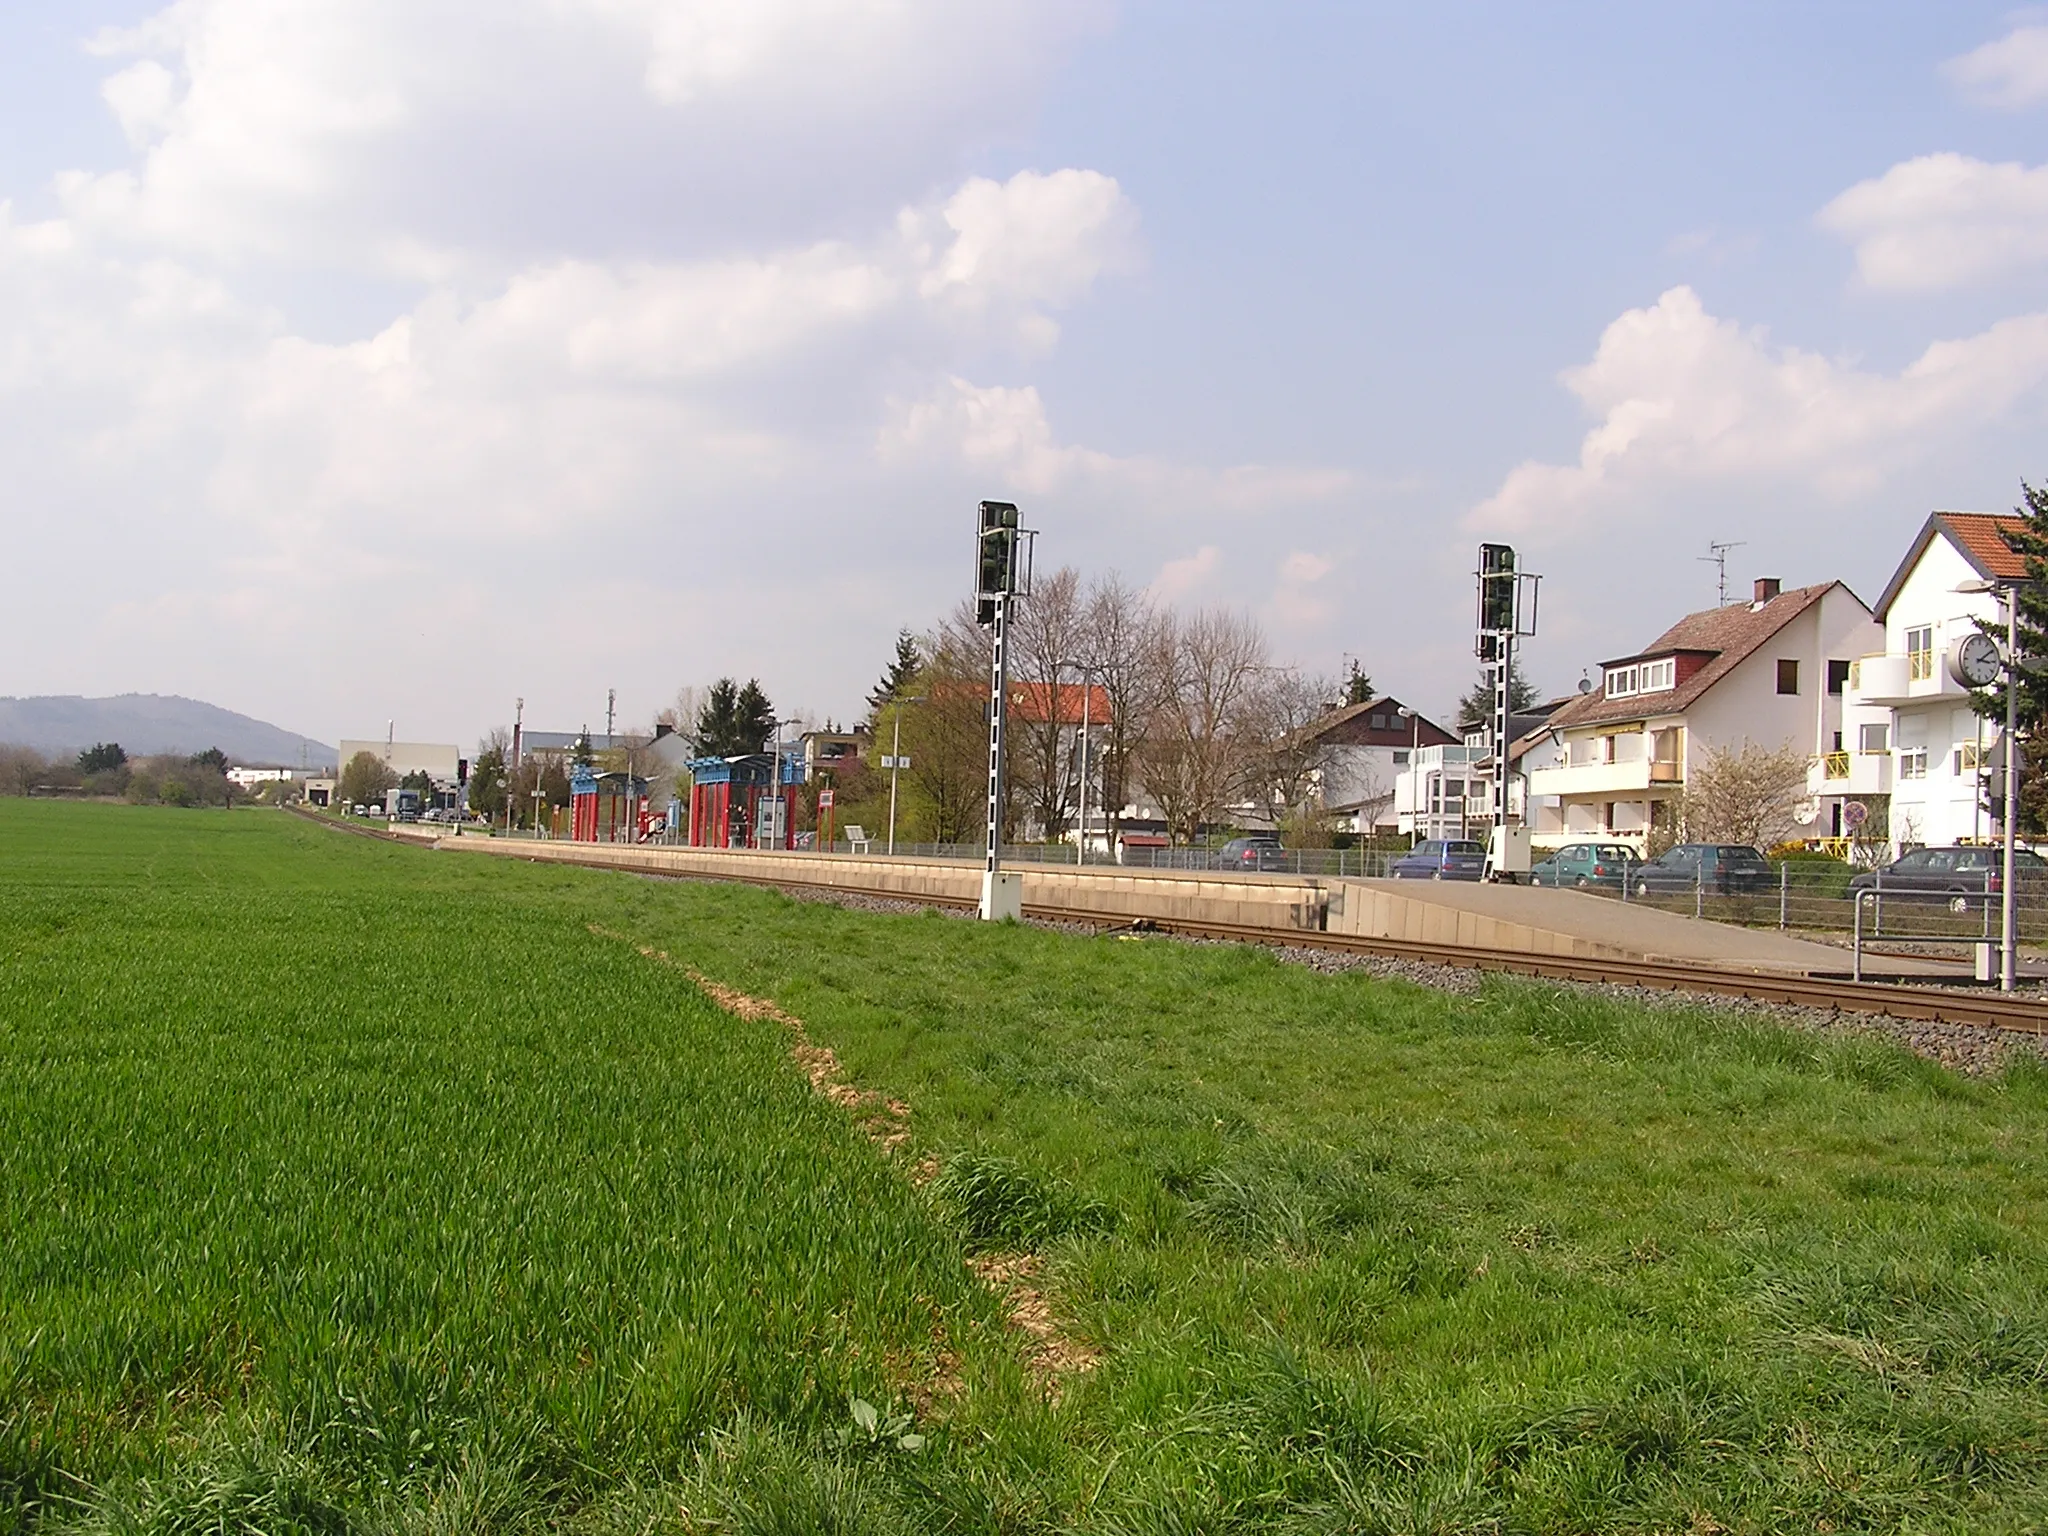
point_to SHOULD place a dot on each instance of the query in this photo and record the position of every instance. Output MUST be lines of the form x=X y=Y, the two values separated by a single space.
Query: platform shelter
x=730 y=797
x=606 y=807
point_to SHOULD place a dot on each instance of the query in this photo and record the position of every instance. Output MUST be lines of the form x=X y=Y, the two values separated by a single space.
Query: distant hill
x=148 y=723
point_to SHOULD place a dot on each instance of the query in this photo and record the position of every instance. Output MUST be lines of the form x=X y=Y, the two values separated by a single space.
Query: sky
x=368 y=360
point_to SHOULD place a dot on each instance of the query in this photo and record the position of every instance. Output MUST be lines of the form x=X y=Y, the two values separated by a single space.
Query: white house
x=1363 y=751
x=1912 y=743
x=1770 y=671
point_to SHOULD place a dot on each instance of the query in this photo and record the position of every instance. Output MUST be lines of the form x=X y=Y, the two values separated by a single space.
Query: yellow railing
x=1919 y=665
x=1835 y=848
x=1835 y=765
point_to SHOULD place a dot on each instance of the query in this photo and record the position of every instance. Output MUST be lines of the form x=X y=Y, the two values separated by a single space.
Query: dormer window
x=1642 y=677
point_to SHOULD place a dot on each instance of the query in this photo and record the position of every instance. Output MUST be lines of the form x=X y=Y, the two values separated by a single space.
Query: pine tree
x=1476 y=708
x=734 y=720
x=753 y=718
x=1357 y=686
x=900 y=676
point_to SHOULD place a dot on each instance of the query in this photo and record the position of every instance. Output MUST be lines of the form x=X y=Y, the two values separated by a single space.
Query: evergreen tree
x=582 y=753
x=487 y=783
x=1357 y=687
x=2030 y=543
x=734 y=720
x=101 y=757
x=900 y=676
x=1476 y=708
x=754 y=718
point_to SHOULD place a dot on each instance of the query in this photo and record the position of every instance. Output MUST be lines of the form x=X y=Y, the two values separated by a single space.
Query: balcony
x=1898 y=677
x=1629 y=777
x=1850 y=773
x=1880 y=680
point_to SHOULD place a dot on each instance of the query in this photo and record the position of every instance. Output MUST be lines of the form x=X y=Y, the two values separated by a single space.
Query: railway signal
x=1507 y=612
x=1002 y=571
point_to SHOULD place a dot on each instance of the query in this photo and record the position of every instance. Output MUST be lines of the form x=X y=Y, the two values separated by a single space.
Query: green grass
x=346 y=1186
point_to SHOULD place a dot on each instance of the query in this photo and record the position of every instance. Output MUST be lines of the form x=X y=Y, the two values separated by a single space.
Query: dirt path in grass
x=1054 y=1355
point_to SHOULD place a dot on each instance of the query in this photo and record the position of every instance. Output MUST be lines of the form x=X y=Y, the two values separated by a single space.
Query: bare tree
x=1048 y=638
x=1287 y=761
x=1195 y=754
x=1126 y=655
x=1744 y=794
x=21 y=770
x=946 y=736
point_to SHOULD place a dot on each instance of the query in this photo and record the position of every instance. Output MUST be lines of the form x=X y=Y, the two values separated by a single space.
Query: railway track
x=1895 y=999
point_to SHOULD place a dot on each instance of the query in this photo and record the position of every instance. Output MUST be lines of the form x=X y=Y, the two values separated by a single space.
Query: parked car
x=1442 y=858
x=1586 y=864
x=1963 y=877
x=1722 y=869
x=1253 y=853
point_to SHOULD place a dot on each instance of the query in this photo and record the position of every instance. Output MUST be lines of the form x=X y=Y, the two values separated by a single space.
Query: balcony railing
x=1835 y=765
x=1919 y=666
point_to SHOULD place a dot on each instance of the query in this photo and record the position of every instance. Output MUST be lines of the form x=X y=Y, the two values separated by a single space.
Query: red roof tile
x=1981 y=536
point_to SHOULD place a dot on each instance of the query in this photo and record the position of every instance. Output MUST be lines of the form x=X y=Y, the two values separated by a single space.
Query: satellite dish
x=1585 y=683
x=1807 y=811
x=1854 y=814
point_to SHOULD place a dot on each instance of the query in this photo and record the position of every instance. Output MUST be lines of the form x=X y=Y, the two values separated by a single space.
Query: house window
x=1400 y=757
x=1379 y=723
x=1621 y=682
x=1788 y=677
x=1968 y=758
x=1656 y=676
x=1912 y=762
x=1874 y=738
x=1838 y=677
x=1920 y=652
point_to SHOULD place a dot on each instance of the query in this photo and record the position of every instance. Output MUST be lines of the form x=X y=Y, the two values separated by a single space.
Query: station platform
x=1543 y=920
x=1521 y=919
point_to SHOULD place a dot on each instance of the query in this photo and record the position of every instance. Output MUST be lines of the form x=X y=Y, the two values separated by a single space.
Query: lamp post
x=896 y=761
x=1414 y=719
x=1086 y=671
x=771 y=806
x=2007 y=593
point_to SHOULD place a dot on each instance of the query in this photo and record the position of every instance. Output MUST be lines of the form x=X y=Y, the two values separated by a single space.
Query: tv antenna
x=1718 y=559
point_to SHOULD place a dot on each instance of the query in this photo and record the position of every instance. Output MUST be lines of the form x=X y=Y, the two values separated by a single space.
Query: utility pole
x=611 y=701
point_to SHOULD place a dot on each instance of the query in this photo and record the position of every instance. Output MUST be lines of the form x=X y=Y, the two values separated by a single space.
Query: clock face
x=1977 y=663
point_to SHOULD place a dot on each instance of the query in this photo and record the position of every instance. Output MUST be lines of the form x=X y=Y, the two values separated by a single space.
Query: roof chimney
x=1767 y=587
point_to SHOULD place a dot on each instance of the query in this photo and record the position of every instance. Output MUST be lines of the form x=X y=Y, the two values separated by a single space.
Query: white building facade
x=1912 y=743
x=1771 y=672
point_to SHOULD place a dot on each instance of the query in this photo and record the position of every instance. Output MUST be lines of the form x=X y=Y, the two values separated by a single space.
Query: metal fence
x=1810 y=896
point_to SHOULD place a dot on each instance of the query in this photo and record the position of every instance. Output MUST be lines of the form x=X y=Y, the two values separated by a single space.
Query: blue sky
x=368 y=360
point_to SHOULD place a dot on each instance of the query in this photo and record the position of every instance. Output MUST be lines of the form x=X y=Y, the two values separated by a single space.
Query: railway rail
x=1939 y=1003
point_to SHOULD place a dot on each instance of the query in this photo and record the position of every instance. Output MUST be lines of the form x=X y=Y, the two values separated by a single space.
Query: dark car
x=1253 y=853
x=1442 y=858
x=1962 y=877
x=1721 y=869
x=1586 y=865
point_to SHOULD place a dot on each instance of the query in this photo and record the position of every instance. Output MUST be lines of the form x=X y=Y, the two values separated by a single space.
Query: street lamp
x=772 y=807
x=2008 y=594
x=1414 y=719
x=896 y=761
x=1086 y=671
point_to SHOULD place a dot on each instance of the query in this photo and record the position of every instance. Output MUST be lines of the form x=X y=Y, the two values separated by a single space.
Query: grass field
x=350 y=1187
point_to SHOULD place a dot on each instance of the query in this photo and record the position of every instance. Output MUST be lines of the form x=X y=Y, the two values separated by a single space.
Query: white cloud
x=404 y=137
x=1942 y=221
x=1003 y=433
x=2011 y=73
x=1190 y=576
x=1683 y=399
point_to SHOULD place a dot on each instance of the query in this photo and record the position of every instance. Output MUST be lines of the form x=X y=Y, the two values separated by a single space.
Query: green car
x=1586 y=865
